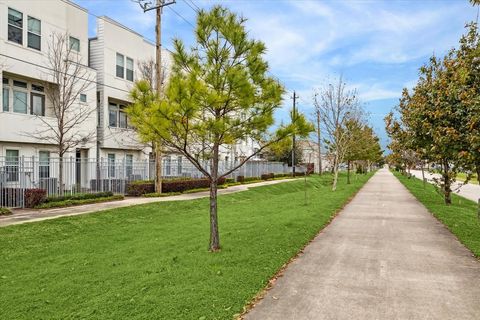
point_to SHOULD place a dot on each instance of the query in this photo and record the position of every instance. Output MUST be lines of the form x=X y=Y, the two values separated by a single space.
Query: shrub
x=79 y=196
x=156 y=195
x=267 y=176
x=4 y=211
x=139 y=188
x=240 y=179
x=34 y=197
x=229 y=180
x=187 y=184
x=77 y=202
x=250 y=179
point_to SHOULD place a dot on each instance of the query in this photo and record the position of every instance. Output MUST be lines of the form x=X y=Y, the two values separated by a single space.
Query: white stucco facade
x=26 y=29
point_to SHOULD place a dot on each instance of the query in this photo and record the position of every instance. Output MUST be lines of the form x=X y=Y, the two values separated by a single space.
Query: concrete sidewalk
x=383 y=257
x=470 y=191
x=31 y=215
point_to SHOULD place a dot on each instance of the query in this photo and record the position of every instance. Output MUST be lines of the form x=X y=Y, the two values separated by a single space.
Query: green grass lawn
x=151 y=261
x=462 y=176
x=460 y=217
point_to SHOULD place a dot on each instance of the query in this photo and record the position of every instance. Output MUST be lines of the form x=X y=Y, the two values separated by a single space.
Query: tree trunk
x=477 y=168
x=214 y=235
x=348 y=171
x=335 y=174
x=319 y=145
x=61 y=187
x=423 y=175
x=158 y=168
x=447 y=191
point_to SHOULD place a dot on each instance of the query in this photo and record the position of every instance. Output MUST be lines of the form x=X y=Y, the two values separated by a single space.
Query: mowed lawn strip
x=151 y=261
x=460 y=217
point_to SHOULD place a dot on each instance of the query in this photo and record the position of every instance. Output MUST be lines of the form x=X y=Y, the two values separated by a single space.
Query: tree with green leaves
x=219 y=93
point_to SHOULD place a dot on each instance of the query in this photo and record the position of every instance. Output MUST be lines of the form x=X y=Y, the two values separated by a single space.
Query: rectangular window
x=111 y=165
x=6 y=98
x=120 y=65
x=129 y=69
x=34 y=33
x=129 y=165
x=37 y=104
x=112 y=115
x=179 y=165
x=37 y=88
x=15 y=26
x=122 y=119
x=44 y=164
x=11 y=165
x=83 y=97
x=20 y=84
x=19 y=101
x=168 y=165
x=75 y=44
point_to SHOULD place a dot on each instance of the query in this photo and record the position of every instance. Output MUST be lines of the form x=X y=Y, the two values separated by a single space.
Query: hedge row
x=68 y=203
x=37 y=197
x=4 y=211
x=139 y=188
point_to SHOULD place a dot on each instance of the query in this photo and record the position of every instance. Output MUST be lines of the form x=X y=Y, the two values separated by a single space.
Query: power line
x=188 y=4
x=50 y=69
x=178 y=14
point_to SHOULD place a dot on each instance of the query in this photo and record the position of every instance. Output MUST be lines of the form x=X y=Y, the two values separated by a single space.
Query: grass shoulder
x=460 y=217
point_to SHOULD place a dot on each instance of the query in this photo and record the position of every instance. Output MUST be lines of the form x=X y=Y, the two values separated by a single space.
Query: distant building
x=310 y=154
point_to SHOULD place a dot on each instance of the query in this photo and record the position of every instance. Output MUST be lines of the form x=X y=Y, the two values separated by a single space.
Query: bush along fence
x=28 y=181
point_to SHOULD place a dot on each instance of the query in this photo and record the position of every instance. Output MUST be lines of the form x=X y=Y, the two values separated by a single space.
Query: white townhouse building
x=26 y=29
x=116 y=53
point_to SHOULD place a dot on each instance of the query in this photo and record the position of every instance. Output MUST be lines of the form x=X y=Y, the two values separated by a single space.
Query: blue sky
x=377 y=46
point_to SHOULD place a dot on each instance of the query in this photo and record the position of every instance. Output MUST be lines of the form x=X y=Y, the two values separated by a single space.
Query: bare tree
x=317 y=121
x=66 y=79
x=337 y=105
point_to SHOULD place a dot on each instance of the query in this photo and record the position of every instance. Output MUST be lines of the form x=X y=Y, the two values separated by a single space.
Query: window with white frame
x=129 y=69
x=117 y=117
x=179 y=165
x=34 y=36
x=120 y=70
x=44 y=164
x=129 y=165
x=168 y=165
x=111 y=165
x=22 y=97
x=5 y=96
x=74 y=43
x=83 y=97
x=11 y=165
x=15 y=26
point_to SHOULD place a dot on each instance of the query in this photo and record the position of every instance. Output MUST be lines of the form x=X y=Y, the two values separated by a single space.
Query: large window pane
x=15 y=26
x=120 y=65
x=44 y=164
x=11 y=165
x=111 y=165
x=34 y=33
x=112 y=115
x=122 y=123
x=6 y=98
x=75 y=44
x=129 y=165
x=38 y=104
x=19 y=101
x=129 y=69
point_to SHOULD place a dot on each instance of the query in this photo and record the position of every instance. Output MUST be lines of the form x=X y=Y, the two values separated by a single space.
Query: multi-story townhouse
x=116 y=53
x=26 y=29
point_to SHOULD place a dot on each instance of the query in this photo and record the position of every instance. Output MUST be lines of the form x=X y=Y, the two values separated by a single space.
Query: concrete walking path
x=31 y=215
x=470 y=191
x=383 y=257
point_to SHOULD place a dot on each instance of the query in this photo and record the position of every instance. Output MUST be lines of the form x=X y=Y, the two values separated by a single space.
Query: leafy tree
x=282 y=152
x=220 y=93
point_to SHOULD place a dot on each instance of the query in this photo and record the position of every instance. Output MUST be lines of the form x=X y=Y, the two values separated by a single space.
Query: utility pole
x=294 y=118
x=319 y=139
x=147 y=6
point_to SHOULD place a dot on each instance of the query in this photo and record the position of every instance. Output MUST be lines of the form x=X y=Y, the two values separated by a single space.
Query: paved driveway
x=383 y=257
